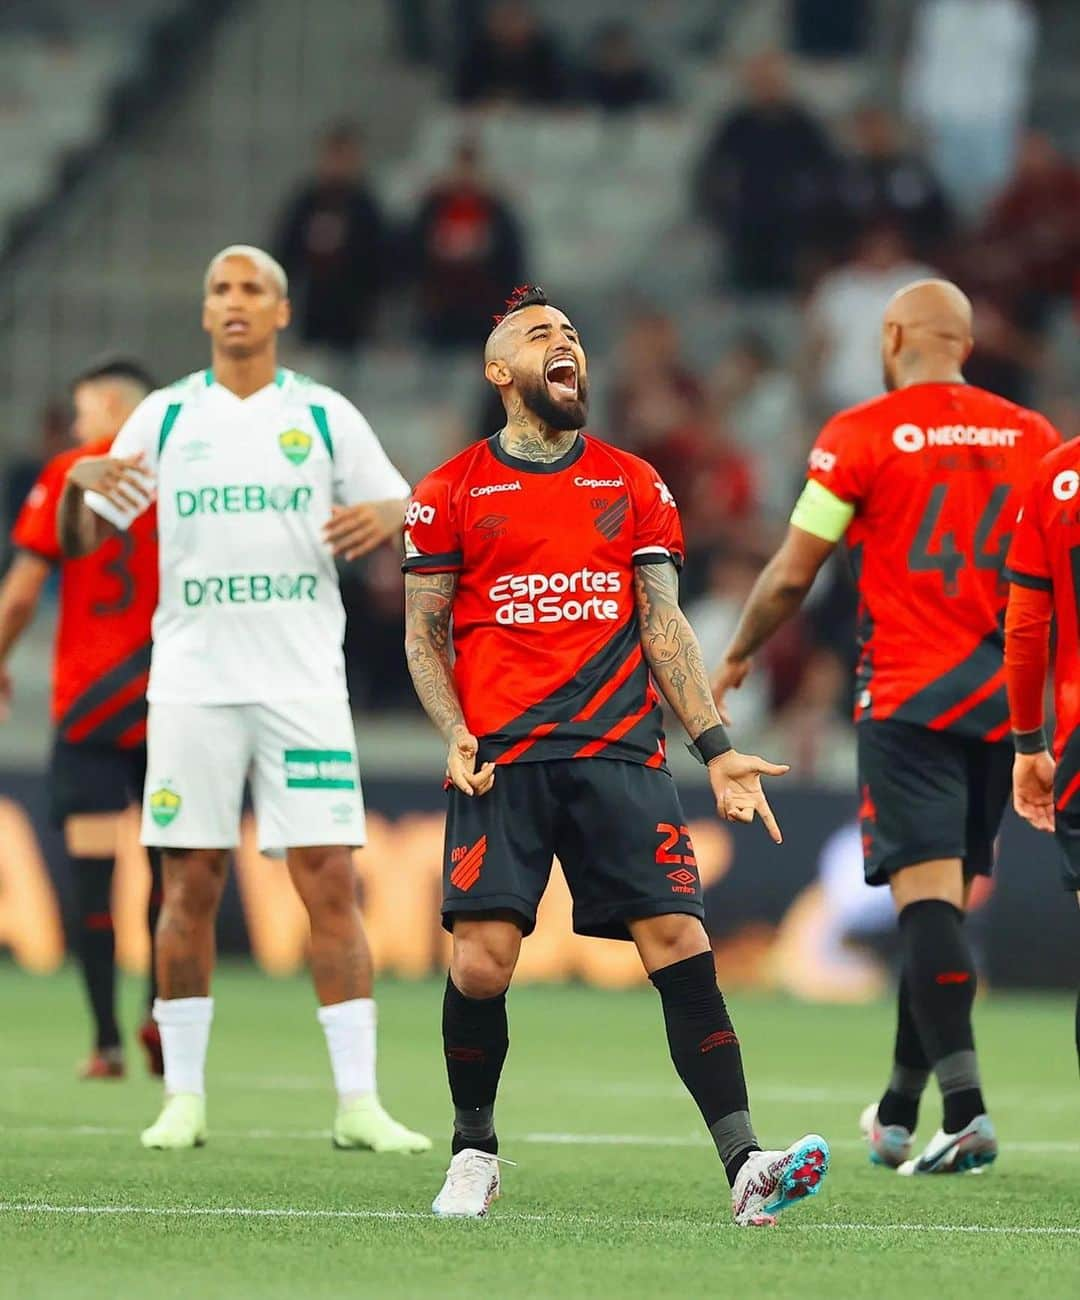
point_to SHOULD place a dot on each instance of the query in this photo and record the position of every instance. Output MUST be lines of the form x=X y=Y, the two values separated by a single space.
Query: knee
x=326 y=883
x=481 y=972
x=193 y=885
x=665 y=940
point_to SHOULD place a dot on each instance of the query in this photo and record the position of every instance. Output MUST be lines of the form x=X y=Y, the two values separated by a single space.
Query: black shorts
x=94 y=779
x=1067 y=831
x=617 y=828
x=927 y=795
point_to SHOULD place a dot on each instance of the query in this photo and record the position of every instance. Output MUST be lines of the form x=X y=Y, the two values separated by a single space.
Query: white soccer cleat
x=180 y=1126
x=472 y=1183
x=966 y=1152
x=890 y=1144
x=772 y=1181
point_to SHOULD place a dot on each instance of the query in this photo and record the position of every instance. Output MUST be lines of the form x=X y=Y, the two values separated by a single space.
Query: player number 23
x=677 y=838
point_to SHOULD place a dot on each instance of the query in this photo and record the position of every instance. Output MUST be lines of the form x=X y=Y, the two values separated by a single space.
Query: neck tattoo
x=537 y=445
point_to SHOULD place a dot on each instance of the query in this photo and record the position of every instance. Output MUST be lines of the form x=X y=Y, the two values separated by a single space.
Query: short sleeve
x=840 y=461
x=140 y=436
x=35 y=527
x=1049 y=437
x=1028 y=564
x=362 y=469
x=432 y=539
x=658 y=534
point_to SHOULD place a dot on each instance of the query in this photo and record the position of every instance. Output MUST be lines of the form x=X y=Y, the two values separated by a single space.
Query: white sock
x=350 y=1038
x=185 y=1036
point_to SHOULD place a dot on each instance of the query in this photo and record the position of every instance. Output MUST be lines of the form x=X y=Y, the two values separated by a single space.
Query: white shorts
x=300 y=756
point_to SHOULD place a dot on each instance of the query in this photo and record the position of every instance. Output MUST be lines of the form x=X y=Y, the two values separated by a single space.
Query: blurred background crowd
x=722 y=193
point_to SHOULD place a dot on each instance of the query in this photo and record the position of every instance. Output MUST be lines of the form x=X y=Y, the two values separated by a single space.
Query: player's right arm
x=432 y=562
x=834 y=487
x=1028 y=619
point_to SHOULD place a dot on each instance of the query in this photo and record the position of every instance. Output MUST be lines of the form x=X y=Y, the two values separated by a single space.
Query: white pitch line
x=685 y=1140
x=289 y=1212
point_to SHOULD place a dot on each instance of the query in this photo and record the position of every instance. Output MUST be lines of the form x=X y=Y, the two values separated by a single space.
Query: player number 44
x=948 y=559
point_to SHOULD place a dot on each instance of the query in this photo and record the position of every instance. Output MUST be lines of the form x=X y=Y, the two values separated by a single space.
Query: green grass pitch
x=616 y=1191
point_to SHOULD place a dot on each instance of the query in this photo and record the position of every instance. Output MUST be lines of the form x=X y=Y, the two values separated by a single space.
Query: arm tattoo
x=671 y=648
x=429 y=603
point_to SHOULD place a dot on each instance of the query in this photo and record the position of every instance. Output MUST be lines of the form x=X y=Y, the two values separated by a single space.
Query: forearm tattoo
x=429 y=603
x=671 y=648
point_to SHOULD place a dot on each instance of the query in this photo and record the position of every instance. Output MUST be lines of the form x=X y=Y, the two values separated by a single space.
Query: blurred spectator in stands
x=466 y=254
x=1030 y=242
x=880 y=180
x=1009 y=353
x=652 y=396
x=616 y=75
x=762 y=176
x=766 y=418
x=967 y=83
x=512 y=59
x=330 y=240
x=830 y=29
x=844 y=318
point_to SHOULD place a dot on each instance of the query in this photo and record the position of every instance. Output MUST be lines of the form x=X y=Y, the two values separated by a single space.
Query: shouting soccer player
x=1044 y=575
x=100 y=664
x=261 y=478
x=922 y=482
x=554 y=558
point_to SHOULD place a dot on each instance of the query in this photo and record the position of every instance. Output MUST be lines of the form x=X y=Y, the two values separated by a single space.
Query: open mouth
x=562 y=377
x=236 y=327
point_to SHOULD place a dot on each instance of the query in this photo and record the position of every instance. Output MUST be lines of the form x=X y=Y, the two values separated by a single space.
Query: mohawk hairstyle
x=525 y=295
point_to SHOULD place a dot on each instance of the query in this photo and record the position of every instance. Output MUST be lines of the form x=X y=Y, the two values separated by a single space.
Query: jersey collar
x=537 y=467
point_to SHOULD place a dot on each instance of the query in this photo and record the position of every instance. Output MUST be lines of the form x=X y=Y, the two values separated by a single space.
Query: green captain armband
x=821 y=512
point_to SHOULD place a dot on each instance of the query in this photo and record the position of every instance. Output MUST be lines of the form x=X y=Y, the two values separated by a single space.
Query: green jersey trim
x=171 y=412
x=318 y=414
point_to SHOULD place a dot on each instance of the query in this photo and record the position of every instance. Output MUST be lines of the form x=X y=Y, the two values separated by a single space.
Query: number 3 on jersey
x=948 y=559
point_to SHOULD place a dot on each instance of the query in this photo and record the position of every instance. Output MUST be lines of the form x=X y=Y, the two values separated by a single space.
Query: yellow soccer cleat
x=363 y=1125
x=180 y=1126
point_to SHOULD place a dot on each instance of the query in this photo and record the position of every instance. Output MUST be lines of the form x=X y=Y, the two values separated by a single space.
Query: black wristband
x=712 y=742
x=1030 y=742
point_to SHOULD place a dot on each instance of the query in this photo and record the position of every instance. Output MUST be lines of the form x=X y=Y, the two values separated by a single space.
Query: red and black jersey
x=549 y=661
x=107 y=602
x=1045 y=556
x=934 y=472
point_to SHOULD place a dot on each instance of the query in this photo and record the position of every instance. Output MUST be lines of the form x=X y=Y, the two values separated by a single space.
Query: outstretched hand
x=736 y=784
x=122 y=481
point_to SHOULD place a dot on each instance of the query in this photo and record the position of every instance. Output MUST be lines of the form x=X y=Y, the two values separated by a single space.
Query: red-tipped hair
x=525 y=295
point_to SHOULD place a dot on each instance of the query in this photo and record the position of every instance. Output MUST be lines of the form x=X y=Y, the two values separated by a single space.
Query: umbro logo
x=609 y=521
x=492 y=525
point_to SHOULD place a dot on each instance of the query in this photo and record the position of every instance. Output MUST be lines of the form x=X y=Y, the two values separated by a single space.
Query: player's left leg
x=342 y=972
x=627 y=857
x=90 y=840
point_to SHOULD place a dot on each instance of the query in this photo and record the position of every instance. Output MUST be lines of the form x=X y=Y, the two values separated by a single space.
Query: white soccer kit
x=247 y=673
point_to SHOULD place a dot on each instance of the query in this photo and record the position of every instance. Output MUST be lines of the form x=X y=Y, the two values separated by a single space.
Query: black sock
x=941 y=980
x=706 y=1055
x=1078 y=1028
x=911 y=1068
x=97 y=944
x=475 y=1042
x=153 y=911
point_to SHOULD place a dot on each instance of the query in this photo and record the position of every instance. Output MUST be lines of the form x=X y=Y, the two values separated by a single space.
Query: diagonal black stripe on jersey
x=1068 y=766
x=573 y=695
x=110 y=729
x=956 y=685
x=610 y=521
x=106 y=686
x=987 y=715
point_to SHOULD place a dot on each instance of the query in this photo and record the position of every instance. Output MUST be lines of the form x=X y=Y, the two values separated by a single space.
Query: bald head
x=926 y=334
